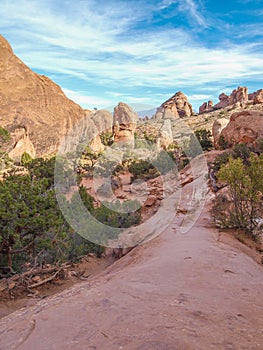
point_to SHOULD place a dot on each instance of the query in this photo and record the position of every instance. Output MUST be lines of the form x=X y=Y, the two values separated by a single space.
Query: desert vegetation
x=239 y=203
x=33 y=231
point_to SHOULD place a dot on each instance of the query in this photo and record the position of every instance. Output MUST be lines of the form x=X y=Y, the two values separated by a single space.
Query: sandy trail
x=179 y=291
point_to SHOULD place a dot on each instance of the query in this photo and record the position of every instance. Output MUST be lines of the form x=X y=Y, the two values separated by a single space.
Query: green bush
x=242 y=151
x=32 y=227
x=220 y=160
x=25 y=159
x=4 y=136
x=245 y=190
x=222 y=142
x=222 y=113
x=204 y=138
x=120 y=215
x=106 y=138
x=142 y=169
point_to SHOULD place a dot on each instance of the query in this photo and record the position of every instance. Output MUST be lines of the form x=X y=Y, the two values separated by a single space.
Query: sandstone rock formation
x=168 y=112
x=103 y=121
x=21 y=144
x=238 y=95
x=217 y=128
x=124 y=123
x=33 y=102
x=244 y=127
x=184 y=108
x=165 y=136
x=175 y=107
x=256 y=97
x=206 y=107
x=223 y=98
x=238 y=98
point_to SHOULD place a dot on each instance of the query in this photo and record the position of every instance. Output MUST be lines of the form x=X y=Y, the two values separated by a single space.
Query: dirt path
x=178 y=292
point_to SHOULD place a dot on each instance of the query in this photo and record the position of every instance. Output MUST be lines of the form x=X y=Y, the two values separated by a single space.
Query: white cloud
x=196 y=13
x=166 y=3
x=189 y=8
x=85 y=101
x=96 y=45
x=198 y=97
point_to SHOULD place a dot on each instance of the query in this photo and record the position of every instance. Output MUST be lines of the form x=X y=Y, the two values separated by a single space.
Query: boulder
x=244 y=127
x=22 y=144
x=124 y=123
x=96 y=145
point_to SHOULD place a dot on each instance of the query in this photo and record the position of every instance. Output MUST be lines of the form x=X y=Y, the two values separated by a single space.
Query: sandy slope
x=180 y=291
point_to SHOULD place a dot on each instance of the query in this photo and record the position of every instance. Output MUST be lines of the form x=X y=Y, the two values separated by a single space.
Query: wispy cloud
x=189 y=8
x=84 y=100
x=195 y=12
x=199 y=97
x=95 y=47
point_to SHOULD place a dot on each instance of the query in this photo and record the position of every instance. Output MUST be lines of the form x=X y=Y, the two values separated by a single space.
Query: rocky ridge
x=38 y=115
x=32 y=102
x=238 y=98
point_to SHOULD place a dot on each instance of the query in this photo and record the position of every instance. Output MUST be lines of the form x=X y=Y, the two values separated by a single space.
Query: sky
x=140 y=51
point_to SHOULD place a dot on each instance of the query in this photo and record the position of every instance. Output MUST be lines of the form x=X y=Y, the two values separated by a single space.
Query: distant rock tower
x=175 y=107
x=124 y=123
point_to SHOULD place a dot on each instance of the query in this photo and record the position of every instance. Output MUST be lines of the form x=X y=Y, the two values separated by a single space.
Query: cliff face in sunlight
x=32 y=105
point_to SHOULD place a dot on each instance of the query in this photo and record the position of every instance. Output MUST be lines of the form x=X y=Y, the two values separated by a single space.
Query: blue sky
x=139 y=52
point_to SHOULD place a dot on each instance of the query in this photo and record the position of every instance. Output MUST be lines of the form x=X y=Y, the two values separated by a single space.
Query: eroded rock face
x=256 y=97
x=184 y=108
x=168 y=112
x=124 y=123
x=175 y=107
x=103 y=121
x=238 y=95
x=206 y=107
x=238 y=98
x=244 y=127
x=34 y=102
x=165 y=137
x=22 y=144
x=223 y=98
x=217 y=128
